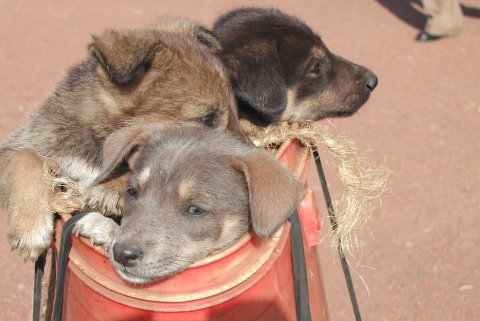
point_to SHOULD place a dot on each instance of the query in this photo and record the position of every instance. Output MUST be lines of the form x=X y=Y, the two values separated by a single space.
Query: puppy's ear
x=120 y=150
x=273 y=191
x=207 y=38
x=258 y=79
x=125 y=55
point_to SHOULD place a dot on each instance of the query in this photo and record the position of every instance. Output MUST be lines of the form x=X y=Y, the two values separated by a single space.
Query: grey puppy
x=191 y=192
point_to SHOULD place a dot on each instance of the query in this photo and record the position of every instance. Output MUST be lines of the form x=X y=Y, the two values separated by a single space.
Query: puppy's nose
x=371 y=80
x=126 y=255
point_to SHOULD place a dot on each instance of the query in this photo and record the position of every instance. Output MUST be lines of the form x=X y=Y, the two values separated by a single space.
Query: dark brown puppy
x=191 y=192
x=282 y=71
x=130 y=77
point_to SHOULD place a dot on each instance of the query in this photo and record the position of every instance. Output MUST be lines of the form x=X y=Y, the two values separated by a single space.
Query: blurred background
x=420 y=259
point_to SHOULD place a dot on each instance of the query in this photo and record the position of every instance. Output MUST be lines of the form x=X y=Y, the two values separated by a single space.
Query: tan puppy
x=130 y=77
x=191 y=192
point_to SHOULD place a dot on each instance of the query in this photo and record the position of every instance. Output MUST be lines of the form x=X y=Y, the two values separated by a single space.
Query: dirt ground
x=420 y=260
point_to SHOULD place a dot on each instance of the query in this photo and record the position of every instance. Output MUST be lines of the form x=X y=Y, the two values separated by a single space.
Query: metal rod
x=65 y=245
x=299 y=268
x=37 y=286
x=333 y=221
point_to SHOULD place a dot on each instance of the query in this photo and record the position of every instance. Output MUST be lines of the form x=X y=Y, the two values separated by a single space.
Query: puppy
x=130 y=77
x=282 y=71
x=191 y=192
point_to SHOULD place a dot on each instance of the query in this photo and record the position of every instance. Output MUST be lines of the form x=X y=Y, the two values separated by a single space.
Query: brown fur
x=131 y=77
x=282 y=71
x=191 y=192
x=189 y=29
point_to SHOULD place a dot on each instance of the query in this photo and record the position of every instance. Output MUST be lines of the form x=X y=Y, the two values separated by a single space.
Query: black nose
x=126 y=255
x=371 y=80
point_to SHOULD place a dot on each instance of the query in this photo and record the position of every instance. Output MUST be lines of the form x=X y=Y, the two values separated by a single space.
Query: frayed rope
x=362 y=185
x=65 y=196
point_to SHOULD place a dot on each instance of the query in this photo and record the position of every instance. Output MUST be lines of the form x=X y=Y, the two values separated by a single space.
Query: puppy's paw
x=30 y=238
x=30 y=223
x=103 y=200
x=98 y=228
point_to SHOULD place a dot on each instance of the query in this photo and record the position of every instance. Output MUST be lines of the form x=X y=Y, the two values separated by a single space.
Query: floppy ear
x=120 y=150
x=207 y=38
x=273 y=191
x=125 y=55
x=258 y=79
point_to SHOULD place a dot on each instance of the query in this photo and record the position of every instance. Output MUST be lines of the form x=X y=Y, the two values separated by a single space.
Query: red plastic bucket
x=251 y=280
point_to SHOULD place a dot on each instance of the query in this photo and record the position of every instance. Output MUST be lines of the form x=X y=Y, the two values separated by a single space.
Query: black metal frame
x=37 y=286
x=333 y=221
x=65 y=245
x=300 y=282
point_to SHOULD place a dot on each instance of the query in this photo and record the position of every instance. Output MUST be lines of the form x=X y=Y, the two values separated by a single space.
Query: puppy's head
x=282 y=71
x=170 y=76
x=191 y=192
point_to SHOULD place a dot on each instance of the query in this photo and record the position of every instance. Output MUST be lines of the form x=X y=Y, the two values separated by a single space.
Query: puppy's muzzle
x=371 y=80
x=126 y=255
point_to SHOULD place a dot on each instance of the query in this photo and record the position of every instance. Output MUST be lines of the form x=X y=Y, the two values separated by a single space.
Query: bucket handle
x=334 y=223
x=300 y=282
x=65 y=245
x=37 y=285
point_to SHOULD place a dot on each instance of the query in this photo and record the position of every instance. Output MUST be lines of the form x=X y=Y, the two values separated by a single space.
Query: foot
x=103 y=200
x=30 y=238
x=98 y=228
x=424 y=36
x=30 y=221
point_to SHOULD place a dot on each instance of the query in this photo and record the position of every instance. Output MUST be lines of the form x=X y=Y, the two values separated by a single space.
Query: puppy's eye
x=133 y=192
x=123 y=166
x=194 y=210
x=210 y=120
x=315 y=70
